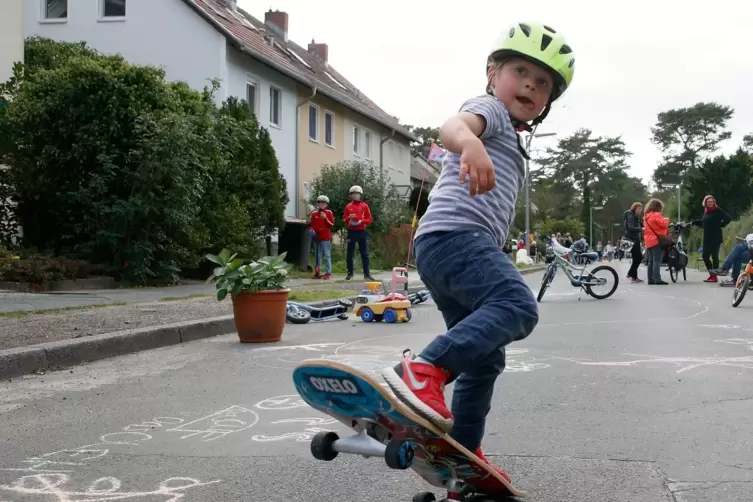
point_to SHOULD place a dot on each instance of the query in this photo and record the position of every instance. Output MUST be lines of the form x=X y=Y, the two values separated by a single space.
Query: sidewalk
x=11 y=301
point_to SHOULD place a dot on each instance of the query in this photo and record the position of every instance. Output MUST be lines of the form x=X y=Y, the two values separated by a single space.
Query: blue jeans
x=486 y=305
x=324 y=250
x=735 y=260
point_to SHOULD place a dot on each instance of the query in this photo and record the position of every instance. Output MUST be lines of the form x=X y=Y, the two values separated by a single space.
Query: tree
x=552 y=227
x=748 y=143
x=586 y=163
x=112 y=164
x=335 y=181
x=426 y=135
x=727 y=179
x=686 y=136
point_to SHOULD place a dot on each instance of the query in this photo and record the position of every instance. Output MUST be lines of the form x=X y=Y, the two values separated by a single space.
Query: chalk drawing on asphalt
x=284 y=402
x=306 y=434
x=102 y=489
x=219 y=424
x=683 y=363
x=515 y=363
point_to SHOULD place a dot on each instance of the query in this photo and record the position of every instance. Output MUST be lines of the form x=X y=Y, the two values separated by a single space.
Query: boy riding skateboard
x=482 y=296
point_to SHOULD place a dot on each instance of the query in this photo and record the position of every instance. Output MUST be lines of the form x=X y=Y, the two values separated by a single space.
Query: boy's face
x=355 y=196
x=522 y=86
x=322 y=205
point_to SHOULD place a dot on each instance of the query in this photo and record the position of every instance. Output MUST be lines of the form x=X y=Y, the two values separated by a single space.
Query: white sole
x=406 y=396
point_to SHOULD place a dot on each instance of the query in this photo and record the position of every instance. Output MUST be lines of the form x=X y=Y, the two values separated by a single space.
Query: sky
x=419 y=60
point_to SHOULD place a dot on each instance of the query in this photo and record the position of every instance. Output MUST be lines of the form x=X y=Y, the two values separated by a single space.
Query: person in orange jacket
x=655 y=225
x=357 y=216
x=322 y=221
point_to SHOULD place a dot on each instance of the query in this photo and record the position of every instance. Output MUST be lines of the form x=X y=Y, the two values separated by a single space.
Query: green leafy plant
x=234 y=275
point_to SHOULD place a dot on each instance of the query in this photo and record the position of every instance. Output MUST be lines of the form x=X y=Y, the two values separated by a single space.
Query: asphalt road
x=647 y=396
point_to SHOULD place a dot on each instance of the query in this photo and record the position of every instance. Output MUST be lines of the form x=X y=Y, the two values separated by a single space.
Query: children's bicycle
x=744 y=279
x=579 y=275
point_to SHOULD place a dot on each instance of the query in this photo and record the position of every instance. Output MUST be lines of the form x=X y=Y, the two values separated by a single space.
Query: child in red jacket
x=322 y=221
x=357 y=216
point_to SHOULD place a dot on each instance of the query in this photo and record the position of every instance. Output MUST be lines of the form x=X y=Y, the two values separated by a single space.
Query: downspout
x=298 y=147
x=381 y=150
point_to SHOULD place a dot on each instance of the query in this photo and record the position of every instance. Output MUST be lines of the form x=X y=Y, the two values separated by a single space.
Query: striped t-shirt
x=451 y=207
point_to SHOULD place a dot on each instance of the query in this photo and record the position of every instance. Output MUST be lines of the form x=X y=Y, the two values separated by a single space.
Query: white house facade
x=173 y=35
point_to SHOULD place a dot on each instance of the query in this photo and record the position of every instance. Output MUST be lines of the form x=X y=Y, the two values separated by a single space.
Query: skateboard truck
x=397 y=454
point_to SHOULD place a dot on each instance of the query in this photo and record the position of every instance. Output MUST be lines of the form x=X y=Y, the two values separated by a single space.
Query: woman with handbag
x=655 y=235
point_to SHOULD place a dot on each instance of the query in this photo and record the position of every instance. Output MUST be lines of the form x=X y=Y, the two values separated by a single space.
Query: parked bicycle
x=676 y=257
x=743 y=283
x=575 y=264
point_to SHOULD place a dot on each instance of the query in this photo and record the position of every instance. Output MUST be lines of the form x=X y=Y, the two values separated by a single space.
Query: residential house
x=11 y=37
x=314 y=115
x=423 y=172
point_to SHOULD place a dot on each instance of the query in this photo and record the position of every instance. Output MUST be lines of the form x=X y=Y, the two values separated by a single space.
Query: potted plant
x=256 y=288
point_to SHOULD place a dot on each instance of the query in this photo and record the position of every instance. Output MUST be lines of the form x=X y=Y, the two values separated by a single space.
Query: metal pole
x=591 y=225
x=528 y=195
x=679 y=204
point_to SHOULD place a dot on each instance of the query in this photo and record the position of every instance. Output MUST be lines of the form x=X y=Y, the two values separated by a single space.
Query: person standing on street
x=357 y=216
x=713 y=221
x=322 y=221
x=655 y=226
x=633 y=229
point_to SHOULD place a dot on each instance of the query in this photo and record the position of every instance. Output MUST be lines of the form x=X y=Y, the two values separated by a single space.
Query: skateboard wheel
x=367 y=315
x=321 y=445
x=390 y=315
x=424 y=497
x=399 y=454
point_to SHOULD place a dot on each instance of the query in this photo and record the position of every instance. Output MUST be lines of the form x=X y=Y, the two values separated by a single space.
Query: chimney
x=278 y=22
x=320 y=50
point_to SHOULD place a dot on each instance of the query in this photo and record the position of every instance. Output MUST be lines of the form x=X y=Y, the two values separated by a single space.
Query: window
x=356 y=140
x=313 y=122
x=275 y=103
x=252 y=96
x=367 y=145
x=329 y=129
x=55 y=9
x=113 y=8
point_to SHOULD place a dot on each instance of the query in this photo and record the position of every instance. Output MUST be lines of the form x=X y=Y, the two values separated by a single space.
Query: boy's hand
x=476 y=165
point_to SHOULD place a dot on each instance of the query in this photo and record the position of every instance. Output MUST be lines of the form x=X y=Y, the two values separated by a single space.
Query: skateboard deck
x=370 y=408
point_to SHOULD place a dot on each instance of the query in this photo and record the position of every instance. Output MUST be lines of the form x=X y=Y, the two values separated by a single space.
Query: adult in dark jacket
x=633 y=218
x=713 y=221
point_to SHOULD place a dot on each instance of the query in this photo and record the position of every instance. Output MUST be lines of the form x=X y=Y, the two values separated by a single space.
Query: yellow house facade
x=329 y=132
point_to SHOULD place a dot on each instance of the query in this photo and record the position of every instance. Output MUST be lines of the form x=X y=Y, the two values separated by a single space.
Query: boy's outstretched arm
x=457 y=131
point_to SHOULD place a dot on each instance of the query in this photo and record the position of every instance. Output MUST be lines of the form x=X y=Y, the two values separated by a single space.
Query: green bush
x=43 y=269
x=111 y=164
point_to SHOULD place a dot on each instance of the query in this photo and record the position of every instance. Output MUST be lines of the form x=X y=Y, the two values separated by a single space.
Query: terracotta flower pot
x=260 y=316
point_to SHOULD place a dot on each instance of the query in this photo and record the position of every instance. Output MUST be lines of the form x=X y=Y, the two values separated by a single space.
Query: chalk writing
x=220 y=424
x=685 y=363
x=285 y=402
x=514 y=363
x=101 y=490
x=312 y=347
x=305 y=435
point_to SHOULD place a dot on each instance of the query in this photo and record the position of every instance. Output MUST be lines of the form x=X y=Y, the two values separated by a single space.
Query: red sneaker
x=493 y=485
x=421 y=386
x=712 y=278
x=327 y=276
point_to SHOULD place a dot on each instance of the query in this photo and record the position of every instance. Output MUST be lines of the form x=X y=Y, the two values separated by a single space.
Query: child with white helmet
x=322 y=221
x=484 y=300
x=357 y=217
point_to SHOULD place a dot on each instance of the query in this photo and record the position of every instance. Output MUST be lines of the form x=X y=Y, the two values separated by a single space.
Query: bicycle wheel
x=673 y=273
x=548 y=275
x=741 y=287
x=609 y=293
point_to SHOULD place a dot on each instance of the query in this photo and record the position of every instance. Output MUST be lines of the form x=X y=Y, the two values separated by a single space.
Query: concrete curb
x=56 y=355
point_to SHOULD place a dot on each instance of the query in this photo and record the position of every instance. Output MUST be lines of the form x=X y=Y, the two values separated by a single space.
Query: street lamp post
x=611 y=236
x=591 y=224
x=679 y=195
x=529 y=138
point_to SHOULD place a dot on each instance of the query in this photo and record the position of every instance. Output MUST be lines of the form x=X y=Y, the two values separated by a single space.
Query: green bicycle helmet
x=541 y=45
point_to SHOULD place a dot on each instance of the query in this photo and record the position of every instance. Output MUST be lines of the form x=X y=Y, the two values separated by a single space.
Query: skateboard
x=385 y=427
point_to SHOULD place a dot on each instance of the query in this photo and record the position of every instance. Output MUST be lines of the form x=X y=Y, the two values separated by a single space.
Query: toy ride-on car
x=373 y=305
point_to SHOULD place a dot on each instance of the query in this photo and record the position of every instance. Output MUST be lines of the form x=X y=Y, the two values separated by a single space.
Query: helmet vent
x=572 y=63
x=512 y=33
x=565 y=49
x=550 y=30
x=525 y=29
x=545 y=41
